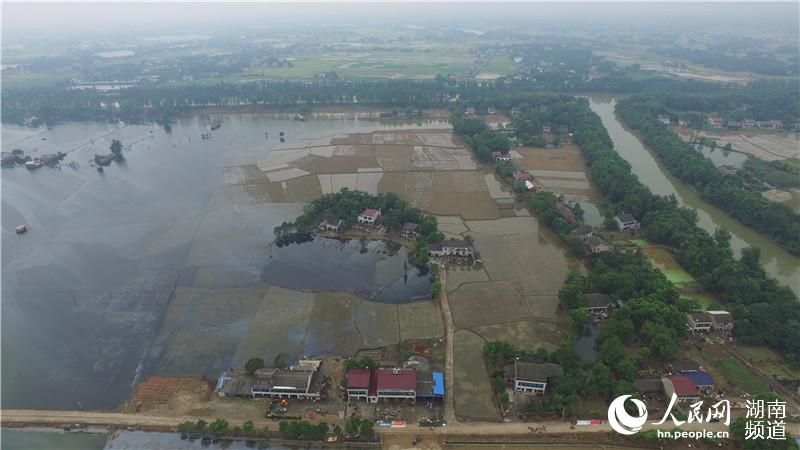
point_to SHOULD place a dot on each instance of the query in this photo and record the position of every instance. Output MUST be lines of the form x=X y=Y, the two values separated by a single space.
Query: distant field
x=404 y=65
x=498 y=65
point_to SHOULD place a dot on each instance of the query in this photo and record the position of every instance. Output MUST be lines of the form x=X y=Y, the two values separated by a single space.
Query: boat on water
x=22 y=229
x=216 y=125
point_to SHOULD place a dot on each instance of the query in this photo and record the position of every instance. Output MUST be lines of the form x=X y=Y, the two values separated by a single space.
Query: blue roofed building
x=430 y=385
x=702 y=379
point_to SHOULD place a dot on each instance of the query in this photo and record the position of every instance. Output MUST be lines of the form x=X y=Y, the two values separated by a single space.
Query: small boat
x=22 y=229
x=216 y=125
x=281 y=134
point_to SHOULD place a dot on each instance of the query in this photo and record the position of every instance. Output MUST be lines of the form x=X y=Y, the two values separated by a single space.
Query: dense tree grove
x=479 y=138
x=766 y=312
x=751 y=61
x=163 y=103
x=725 y=191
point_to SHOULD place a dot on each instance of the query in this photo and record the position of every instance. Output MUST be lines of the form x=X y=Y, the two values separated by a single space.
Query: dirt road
x=449 y=376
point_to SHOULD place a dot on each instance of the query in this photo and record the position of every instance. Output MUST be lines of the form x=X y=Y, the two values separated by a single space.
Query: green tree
x=436 y=289
x=253 y=364
x=218 y=426
x=247 y=426
x=116 y=147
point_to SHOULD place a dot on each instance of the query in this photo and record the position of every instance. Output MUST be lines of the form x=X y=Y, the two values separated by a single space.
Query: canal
x=778 y=263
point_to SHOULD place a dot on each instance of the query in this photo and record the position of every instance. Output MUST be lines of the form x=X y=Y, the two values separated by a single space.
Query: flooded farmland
x=155 y=265
x=778 y=263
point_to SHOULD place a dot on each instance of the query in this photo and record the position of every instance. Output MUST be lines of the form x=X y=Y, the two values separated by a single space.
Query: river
x=778 y=263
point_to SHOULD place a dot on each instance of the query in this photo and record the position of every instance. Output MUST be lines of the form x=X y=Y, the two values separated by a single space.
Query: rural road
x=449 y=377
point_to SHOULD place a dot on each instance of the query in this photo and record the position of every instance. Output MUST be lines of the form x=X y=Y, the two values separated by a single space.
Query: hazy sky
x=22 y=20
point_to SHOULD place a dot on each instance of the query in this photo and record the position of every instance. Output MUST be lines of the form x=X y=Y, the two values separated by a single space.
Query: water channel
x=778 y=263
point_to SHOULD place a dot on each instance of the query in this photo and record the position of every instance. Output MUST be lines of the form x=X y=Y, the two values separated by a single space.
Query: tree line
x=728 y=192
x=766 y=312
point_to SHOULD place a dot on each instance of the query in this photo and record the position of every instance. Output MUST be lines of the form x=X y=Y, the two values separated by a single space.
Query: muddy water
x=84 y=292
x=777 y=262
x=368 y=271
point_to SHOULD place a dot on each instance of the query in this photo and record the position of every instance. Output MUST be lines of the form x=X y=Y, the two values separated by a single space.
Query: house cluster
x=594 y=243
x=501 y=156
x=454 y=248
x=300 y=381
x=330 y=226
x=531 y=377
x=718 y=122
x=374 y=385
x=11 y=159
x=707 y=321
x=686 y=380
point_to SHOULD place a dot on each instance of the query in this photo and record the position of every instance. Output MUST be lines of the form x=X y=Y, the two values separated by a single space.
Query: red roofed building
x=523 y=176
x=396 y=383
x=369 y=216
x=373 y=385
x=682 y=387
x=358 y=381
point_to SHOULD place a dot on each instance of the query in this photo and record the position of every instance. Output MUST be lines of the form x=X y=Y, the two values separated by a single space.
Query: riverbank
x=777 y=262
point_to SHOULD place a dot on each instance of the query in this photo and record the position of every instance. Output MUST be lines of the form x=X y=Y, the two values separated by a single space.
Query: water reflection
x=368 y=269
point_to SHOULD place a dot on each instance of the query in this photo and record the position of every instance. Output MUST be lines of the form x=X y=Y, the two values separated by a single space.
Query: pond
x=367 y=270
x=722 y=157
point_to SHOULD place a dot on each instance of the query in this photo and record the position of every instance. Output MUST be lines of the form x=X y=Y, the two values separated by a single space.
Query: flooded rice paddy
x=157 y=264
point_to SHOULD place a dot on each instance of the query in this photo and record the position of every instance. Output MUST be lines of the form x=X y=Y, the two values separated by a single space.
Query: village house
x=332 y=227
x=533 y=185
x=683 y=122
x=50 y=159
x=547 y=129
x=682 y=387
x=522 y=176
x=727 y=170
x=582 y=232
x=469 y=111
x=501 y=156
x=698 y=321
x=358 y=384
x=721 y=320
x=702 y=380
x=369 y=216
x=409 y=231
x=451 y=247
x=599 y=305
x=531 y=377
x=566 y=213
x=491 y=110
x=748 y=123
x=626 y=222
x=300 y=381
x=683 y=365
x=716 y=122
x=770 y=124
x=648 y=386
x=515 y=111
x=664 y=119
x=734 y=125
x=596 y=244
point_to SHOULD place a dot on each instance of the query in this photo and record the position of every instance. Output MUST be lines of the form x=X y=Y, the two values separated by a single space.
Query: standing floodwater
x=369 y=269
x=86 y=291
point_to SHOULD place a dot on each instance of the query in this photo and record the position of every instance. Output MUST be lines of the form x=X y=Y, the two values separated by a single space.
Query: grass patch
x=705 y=300
x=737 y=375
x=769 y=361
x=639 y=242
x=678 y=276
